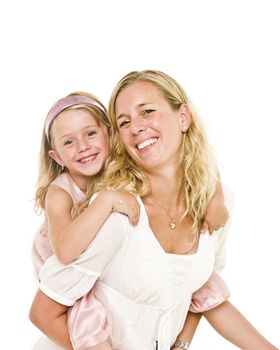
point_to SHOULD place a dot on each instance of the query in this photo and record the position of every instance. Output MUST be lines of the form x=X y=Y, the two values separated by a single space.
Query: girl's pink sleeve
x=210 y=295
x=88 y=322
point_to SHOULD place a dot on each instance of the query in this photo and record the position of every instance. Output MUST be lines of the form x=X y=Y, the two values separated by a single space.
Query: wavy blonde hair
x=200 y=172
x=48 y=168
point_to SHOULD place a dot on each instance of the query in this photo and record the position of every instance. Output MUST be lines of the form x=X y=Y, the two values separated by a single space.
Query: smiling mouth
x=146 y=143
x=87 y=159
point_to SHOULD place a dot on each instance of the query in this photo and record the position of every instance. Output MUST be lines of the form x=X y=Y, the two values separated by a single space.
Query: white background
x=225 y=54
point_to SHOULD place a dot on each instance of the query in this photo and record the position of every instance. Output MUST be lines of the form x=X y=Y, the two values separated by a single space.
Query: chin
x=94 y=171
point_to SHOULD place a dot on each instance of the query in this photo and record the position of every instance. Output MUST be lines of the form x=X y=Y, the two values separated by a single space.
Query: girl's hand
x=124 y=202
x=216 y=213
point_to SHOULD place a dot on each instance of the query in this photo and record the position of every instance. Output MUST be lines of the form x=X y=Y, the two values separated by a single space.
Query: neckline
x=145 y=215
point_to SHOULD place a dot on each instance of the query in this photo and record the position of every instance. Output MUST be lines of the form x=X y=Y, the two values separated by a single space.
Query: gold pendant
x=172 y=224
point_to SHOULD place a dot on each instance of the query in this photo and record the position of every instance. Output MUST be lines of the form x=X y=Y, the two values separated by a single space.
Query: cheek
x=124 y=136
x=106 y=150
x=155 y=123
x=65 y=157
x=104 y=145
x=66 y=154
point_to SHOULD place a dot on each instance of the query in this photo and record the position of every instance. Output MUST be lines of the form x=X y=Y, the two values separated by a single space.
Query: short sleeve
x=215 y=290
x=220 y=255
x=67 y=283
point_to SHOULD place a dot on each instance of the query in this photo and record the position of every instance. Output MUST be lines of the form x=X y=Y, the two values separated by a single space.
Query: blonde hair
x=48 y=167
x=200 y=173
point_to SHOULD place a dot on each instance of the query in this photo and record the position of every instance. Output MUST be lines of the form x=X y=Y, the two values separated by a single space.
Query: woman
x=148 y=274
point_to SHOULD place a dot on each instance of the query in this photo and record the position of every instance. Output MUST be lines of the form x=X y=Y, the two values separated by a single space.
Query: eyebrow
x=140 y=105
x=86 y=127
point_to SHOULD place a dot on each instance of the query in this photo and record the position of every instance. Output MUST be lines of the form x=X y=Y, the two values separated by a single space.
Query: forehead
x=138 y=93
x=73 y=119
x=75 y=116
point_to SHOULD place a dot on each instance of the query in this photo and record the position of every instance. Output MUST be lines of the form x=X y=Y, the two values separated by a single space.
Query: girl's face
x=150 y=129
x=80 y=144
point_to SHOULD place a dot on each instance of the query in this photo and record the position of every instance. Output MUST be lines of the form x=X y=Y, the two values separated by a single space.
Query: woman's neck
x=166 y=189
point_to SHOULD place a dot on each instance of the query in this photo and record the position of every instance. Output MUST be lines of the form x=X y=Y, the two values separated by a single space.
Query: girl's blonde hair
x=49 y=169
x=200 y=172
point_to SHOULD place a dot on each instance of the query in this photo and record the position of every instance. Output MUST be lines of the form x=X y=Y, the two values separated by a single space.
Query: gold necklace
x=172 y=223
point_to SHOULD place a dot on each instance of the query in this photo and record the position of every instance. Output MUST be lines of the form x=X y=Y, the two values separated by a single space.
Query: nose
x=137 y=125
x=82 y=145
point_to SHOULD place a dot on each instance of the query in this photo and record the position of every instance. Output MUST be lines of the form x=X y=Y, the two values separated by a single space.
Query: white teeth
x=146 y=143
x=87 y=159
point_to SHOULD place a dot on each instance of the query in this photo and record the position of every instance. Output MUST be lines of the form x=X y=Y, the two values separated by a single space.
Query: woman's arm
x=51 y=318
x=211 y=294
x=190 y=326
x=234 y=327
x=230 y=324
x=69 y=238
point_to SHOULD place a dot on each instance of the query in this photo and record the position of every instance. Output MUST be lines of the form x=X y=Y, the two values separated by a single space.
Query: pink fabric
x=211 y=294
x=87 y=319
x=87 y=322
x=65 y=181
x=41 y=249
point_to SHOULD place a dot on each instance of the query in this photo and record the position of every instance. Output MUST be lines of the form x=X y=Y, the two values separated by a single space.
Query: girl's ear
x=185 y=117
x=55 y=157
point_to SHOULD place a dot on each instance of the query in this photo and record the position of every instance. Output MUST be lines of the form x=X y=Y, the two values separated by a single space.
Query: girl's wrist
x=108 y=197
x=113 y=199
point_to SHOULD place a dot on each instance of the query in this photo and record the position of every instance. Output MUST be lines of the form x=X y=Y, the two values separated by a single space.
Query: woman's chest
x=174 y=234
x=144 y=273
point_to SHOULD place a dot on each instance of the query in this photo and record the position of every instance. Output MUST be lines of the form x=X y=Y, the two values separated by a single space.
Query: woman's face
x=150 y=129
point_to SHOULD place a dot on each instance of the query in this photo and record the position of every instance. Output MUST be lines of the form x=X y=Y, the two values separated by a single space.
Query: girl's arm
x=234 y=327
x=190 y=326
x=71 y=237
x=68 y=283
x=216 y=213
x=51 y=318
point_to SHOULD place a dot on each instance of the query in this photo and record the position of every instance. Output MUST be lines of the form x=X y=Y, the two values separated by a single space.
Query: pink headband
x=65 y=103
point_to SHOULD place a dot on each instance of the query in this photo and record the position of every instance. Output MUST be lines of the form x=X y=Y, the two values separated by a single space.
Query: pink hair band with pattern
x=64 y=103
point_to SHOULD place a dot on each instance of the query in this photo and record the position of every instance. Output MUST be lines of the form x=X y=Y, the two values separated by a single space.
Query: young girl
x=75 y=147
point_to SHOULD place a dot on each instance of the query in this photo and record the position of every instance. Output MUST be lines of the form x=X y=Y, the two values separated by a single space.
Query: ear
x=54 y=155
x=185 y=117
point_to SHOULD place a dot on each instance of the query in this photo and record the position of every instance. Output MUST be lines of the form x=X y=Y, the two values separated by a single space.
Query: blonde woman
x=147 y=275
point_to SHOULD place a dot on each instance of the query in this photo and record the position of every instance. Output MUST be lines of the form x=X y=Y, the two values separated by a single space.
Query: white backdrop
x=225 y=54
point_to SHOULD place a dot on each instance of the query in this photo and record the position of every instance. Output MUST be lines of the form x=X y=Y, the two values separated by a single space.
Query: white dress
x=146 y=291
